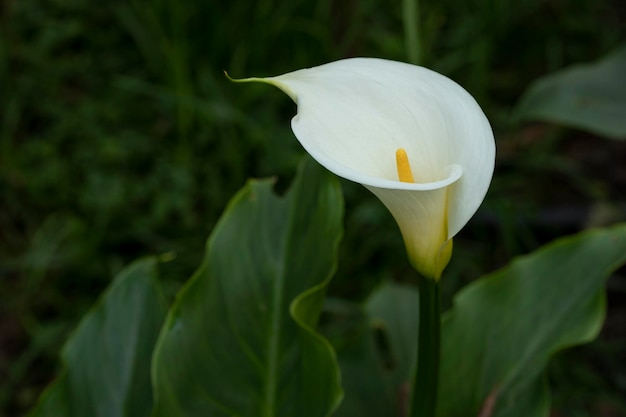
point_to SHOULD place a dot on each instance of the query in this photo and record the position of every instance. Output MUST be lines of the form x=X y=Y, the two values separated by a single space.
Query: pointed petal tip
x=265 y=80
x=243 y=80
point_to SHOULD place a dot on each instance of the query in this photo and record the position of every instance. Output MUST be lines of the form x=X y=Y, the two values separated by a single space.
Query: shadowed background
x=121 y=137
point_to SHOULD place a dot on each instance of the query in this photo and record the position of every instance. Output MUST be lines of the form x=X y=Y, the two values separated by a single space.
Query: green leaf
x=501 y=332
x=376 y=363
x=55 y=400
x=395 y=309
x=365 y=375
x=377 y=351
x=239 y=340
x=503 y=329
x=107 y=359
x=591 y=97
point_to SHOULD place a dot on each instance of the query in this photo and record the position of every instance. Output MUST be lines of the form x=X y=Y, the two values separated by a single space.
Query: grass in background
x=119 y=137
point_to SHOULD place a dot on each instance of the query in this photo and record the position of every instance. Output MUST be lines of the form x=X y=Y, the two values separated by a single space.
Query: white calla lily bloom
x=355 y=114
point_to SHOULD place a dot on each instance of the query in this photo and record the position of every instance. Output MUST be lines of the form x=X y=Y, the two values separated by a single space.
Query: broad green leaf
x=240 y=339
x=591 y=97
x=107 y=359
x=55 y=400
x=502 y=330
x=365 y=375
x=395 y=309
x=377 y=360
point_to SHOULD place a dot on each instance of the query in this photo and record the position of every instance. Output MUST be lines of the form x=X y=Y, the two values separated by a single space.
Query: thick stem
x=426 y=377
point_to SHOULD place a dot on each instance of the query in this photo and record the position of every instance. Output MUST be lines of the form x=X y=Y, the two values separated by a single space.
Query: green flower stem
x=412 y=37
x=426 y=377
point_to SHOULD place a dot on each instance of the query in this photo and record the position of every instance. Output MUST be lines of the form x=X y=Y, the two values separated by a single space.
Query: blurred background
x=120 y=137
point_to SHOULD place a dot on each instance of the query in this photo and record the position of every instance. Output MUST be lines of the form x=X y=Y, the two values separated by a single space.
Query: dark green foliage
x=120 y=137
x=107 y=359
x=497 y=338
x=240 y=339
x=590 y=97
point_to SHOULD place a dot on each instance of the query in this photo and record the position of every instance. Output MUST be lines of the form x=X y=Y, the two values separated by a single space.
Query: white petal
x=422 y=218
x=353 y=114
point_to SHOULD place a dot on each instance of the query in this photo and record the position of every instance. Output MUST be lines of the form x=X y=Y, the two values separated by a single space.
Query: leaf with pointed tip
x=240 y=339
x=591 y=97
x=107 y=359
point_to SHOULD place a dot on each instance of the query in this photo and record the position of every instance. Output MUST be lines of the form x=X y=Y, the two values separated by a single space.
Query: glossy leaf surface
x=502 y=330
x=107 y=359
x=499 y=336
x=365 y=374
x=240 y=339
x=591 y=97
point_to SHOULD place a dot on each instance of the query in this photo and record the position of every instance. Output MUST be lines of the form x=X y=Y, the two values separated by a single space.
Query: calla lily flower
x=413 y=137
